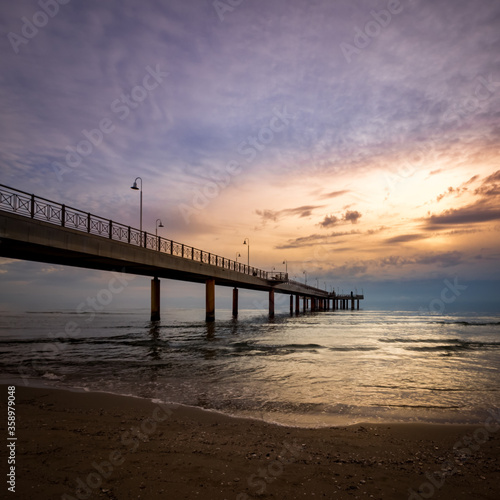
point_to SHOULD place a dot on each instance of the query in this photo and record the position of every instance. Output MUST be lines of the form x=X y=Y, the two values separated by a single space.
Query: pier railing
x=28 y=205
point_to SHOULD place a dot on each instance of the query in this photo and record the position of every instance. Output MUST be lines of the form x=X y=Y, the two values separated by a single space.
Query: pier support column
x=271 y=303
x=235 y=302
x=155 y=299
x=297 y=304
x=291 y=305
x=352 y=304
x=357 y=304
x=304 y=303
x=313 y=304
x=210 y=300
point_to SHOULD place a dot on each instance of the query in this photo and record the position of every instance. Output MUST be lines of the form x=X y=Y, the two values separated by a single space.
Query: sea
x=308 y=370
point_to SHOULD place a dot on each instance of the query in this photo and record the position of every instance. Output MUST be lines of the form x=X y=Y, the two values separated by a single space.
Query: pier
x=36 y=229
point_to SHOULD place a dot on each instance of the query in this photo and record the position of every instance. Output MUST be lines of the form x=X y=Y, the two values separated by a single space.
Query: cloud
x=274 y=215
x=405 y=238
x=303 y=241
x=376 y=230
x=314 y=239
x=476 y=213
x=329 y=220
x=490 y=186
x=451 y=190
x=333 y=194
x=351 y=216
x=332 y=220
x=459 y=190
x=435 y=172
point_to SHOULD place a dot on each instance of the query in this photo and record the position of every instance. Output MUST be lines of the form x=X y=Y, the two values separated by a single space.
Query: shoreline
x=311 y=420
x=78 y=444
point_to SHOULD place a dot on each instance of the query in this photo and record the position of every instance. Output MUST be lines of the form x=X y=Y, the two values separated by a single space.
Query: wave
x=400 y=340
x=467 y=323
x=441 y=343
x=354 y=348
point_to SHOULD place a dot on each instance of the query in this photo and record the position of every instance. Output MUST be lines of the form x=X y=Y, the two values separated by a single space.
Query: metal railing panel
x=35 y=207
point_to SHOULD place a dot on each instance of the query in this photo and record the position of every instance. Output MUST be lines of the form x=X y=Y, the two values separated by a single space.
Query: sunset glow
x=357 y=141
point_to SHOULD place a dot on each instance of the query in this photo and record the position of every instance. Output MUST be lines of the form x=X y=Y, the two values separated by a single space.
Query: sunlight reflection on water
x=323 y=369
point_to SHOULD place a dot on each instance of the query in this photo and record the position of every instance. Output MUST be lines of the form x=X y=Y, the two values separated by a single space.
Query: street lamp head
x=135 y=186
x=160 y=224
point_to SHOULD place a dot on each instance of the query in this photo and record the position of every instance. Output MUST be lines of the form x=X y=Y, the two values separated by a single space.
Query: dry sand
x=94 y=445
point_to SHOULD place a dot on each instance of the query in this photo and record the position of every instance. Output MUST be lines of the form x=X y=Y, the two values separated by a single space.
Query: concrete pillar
x=210 y=300
x=357 y=304
x=313 y=304
x=271 y=303
x=352 y=304
x=304 y=303
x=297 y=304
x=235 y=302
x=291 y=305
x=155 y=299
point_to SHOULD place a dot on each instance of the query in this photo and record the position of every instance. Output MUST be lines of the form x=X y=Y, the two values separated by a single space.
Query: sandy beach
x=95 y=445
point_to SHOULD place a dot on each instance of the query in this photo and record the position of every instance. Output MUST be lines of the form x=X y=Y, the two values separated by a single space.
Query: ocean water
x=315 y=369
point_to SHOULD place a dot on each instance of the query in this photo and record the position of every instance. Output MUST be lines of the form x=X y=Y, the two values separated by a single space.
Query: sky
x=356 y=140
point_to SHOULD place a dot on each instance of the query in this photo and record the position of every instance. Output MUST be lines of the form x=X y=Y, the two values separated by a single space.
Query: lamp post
x=135 y=188
x=247 y=242
x=305 y=273
x=238 y=254
x=286 y=266
x=158 y=225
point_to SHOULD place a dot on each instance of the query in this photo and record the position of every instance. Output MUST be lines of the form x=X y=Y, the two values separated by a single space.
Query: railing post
x=145 y=239
x=182 y=250
x=110 y=229
x=88 y=223
x=32 y=206
x=63 y=215
x=192 y=253
x=171 y=247
x=128 y=236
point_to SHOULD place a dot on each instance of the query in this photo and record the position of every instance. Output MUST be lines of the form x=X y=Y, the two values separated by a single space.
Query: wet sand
x=94 y=445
